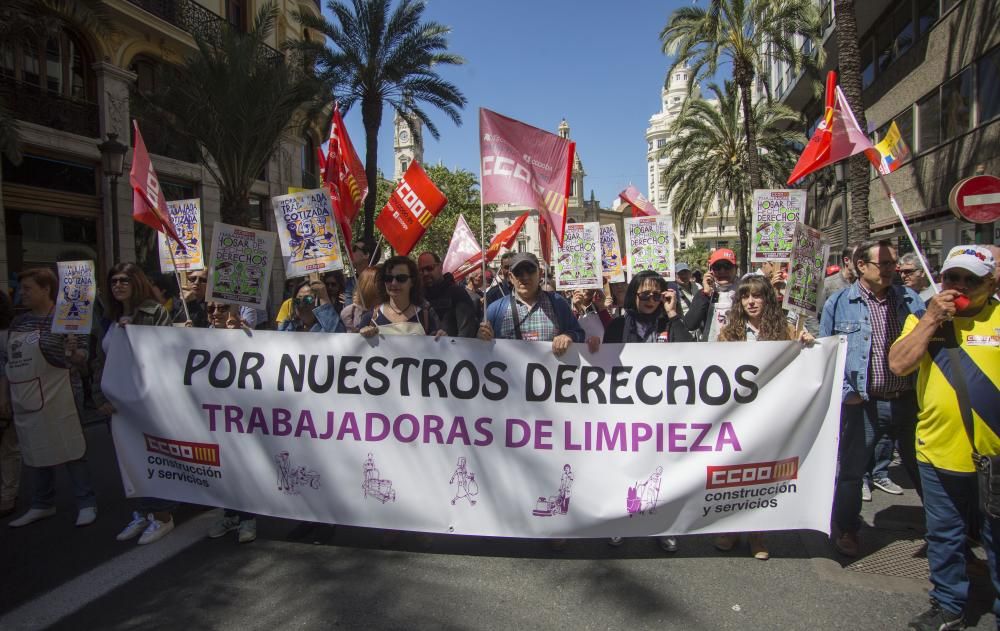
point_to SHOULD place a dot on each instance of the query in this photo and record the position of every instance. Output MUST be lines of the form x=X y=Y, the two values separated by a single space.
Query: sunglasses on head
x=655 y=296
x=969 y=280
x=399 y=278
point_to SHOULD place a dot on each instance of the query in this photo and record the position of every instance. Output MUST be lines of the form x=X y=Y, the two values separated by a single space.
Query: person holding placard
x=45 y=396
x=402 y=310
x=707 y=313
x=312 y=311
x=194 y=295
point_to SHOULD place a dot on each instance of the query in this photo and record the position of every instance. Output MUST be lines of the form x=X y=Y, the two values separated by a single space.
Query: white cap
x=972 y=258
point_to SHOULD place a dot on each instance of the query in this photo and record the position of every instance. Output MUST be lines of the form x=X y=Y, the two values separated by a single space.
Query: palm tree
x=709 y=138
x=750 y=34
x=382 y=55
x=231 y=102
x=849 y=59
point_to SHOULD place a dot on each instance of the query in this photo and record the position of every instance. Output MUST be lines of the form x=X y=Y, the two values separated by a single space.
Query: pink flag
x=641 y=207
x=525 y=165
x=463 y=247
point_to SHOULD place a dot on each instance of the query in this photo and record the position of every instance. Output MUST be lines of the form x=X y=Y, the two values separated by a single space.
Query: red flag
x=148 y=205
x=641 y=207
x=838 y=136
x=411 y=208
x=503 y=239
x=344 y=174
x=525 y=165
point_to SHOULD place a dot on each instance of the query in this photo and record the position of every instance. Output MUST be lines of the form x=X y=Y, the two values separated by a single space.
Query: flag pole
x=377 y=246
x=906 y=228
x=482 y=236
x=177 y=274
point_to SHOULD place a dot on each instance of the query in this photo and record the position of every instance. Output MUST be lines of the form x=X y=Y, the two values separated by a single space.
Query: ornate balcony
x=36 y=105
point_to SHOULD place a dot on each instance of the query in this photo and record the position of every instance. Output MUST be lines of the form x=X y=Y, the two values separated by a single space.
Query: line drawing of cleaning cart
x=374 y=486
x=557 y=504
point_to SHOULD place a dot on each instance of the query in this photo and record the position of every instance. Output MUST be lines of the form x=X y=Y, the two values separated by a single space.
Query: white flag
x=463 y=247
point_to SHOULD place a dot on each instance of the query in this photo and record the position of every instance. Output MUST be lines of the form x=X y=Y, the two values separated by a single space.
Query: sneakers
x=937 y=619
x=866 y=492
x=156 y=530
x=667 y=544
x=247 y=530
x=86 y=516
x=228 y=523
x=614 y=542
x=847 y=544
x=725 y=543
x=757 y=547
x=887 y=485
x=134 y=528
x=33 y=515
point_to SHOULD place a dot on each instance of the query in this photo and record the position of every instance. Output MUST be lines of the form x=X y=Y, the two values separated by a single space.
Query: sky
x=596 y=63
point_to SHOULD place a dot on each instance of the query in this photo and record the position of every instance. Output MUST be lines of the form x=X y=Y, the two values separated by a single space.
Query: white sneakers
x=86 y=516
x=149 y=527
x=32 y=516
x=134 y=528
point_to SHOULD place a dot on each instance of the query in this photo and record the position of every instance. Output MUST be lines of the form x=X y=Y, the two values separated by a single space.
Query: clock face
x=404 y=136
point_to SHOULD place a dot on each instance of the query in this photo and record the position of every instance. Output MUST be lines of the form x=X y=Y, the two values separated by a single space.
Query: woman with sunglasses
x=131 y=301
x=756 y=315
x=651 y=314
x=312 y=311
x=401 y=309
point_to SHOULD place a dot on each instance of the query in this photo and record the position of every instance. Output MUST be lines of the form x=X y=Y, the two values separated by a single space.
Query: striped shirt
x=885 y=329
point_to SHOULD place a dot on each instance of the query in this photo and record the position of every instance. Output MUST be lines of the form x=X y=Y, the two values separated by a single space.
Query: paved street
x=314 y=576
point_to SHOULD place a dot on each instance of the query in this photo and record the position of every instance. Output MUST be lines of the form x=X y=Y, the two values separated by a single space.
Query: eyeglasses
x=967 y=280
x=216 y=308
x=906 y=272
x=307 y=301
x=121 y=280
x=428 y=268
x=399 y=278
x=650 y=295
x=882 y=264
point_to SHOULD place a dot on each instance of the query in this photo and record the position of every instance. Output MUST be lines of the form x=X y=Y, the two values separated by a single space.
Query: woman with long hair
x=312 y=311
x=756 y=315
x=132 y=301
x=365 y=297
x=401 y=308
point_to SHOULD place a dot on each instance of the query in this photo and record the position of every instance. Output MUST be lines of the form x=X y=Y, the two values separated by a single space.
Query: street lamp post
x=113 y=164
x=838 y=170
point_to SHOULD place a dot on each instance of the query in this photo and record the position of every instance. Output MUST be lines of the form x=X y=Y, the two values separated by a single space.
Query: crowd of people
x=922 y=355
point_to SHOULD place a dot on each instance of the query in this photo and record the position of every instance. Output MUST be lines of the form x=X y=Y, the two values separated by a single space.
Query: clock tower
x=407 y=144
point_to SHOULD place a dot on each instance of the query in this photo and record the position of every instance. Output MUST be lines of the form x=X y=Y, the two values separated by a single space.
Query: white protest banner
x=307 y=232
x=241 y=263
x=775 y=212
x=75 y=299
x=482 y=438
x=806 y=271
x=649 y=243
x=185 y=215
x=611 y=257
x=578 y=260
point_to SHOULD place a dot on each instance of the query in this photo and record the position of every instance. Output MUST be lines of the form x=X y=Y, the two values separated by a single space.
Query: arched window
x=59 y=65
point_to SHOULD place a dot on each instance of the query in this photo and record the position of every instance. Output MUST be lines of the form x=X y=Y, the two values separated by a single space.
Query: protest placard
x=775 y=212
x=185 y=215
x=807 y=270
x=307 y=232
x=578 y=260
x=75 y=299
x=241 y=262
x=649 y=242
x=611 y=257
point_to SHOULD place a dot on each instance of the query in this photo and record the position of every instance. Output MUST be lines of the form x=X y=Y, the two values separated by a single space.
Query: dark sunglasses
x=216 y=308
x=960 y=279
x=399 y=278
x=525 y=270
x=307 y=301
x=722 y=265
x=906 y=272
x=121 y=280
x=650 y=295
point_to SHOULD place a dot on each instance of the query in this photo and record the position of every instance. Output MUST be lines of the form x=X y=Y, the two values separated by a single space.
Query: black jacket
x=675 y=328
x=454 y=307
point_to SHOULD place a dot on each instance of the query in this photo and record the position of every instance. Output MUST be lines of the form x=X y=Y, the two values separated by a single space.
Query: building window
x=236 y=14
x=895 y=35
x=928 y=121
x=650 y=143
x=988 y=85
x=661 y=143
x=956 y=105
x=58 y=64
x=404 y=165
x=927 y=14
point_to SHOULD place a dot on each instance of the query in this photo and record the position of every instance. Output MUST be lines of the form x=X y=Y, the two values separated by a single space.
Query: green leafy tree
x=382 y=55
x=231 y=102
x=709 y=139
x=749 y=34
x=695 y=256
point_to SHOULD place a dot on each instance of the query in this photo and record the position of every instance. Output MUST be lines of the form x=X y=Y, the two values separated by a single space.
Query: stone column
x=113 y=84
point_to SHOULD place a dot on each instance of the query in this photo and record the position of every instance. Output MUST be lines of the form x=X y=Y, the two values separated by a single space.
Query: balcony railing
x=190 y=16
x=37 y=105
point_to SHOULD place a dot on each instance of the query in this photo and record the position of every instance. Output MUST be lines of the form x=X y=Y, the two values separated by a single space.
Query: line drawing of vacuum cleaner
x=557 y=504
x=374 y=486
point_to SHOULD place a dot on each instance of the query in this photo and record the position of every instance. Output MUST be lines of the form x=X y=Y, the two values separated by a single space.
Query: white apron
x=45 y=415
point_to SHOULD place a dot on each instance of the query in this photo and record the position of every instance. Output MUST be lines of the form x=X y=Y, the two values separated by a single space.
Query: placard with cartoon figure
x=775 y=213
x=649 y=244
x=241 y=262
x=75 y=299
x=186 y=217
x=578 y=260
x=611 y=257
x=806 y=271
x=307 y=231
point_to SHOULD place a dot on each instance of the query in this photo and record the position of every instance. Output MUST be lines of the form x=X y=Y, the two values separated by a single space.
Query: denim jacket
x=846 y=313
x=327 y=321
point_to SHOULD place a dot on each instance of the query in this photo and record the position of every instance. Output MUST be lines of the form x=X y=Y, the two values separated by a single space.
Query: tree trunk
x=371 y=116
x=743 y=229
x=234 y=208
x=744 y=79
x=849 y=57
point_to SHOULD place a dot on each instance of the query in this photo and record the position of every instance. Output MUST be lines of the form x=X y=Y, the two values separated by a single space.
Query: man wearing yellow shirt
x=964 y=317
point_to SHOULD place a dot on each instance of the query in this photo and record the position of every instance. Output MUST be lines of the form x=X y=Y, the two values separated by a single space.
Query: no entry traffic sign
x=976 y=199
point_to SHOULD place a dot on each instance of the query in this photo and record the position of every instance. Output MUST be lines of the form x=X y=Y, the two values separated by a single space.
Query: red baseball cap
x=722 y=254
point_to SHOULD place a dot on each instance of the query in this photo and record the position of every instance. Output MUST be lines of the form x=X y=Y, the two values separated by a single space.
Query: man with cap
x=955 y=343
x=708 y=309
x=686 y=287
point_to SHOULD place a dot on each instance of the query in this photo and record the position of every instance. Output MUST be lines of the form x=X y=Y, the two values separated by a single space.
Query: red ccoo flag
x=838 y=136
x=148 y=205
x=525 y=165
x=411 y=208
x=344 y=174
x=504 y=239
x=641 y=207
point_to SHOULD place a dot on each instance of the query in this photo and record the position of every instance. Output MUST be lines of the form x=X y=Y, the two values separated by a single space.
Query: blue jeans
x=861 y=427
x=79 y=475
x=949 y=499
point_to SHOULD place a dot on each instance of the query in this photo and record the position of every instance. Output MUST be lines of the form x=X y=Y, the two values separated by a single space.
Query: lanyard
x=519 y=321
